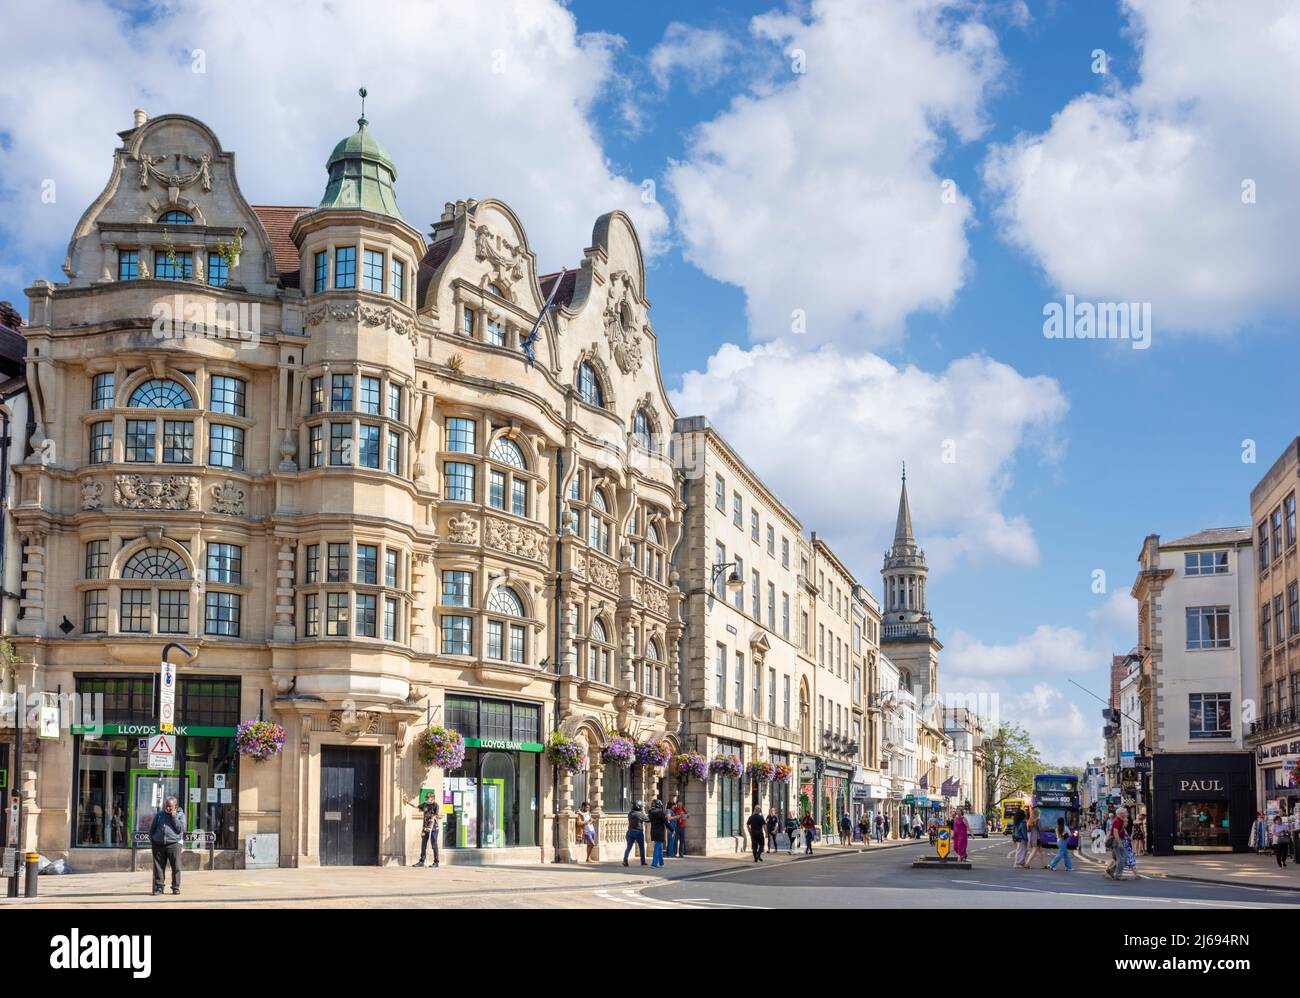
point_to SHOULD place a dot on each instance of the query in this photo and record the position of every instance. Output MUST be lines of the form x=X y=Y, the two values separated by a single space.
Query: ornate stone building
x=321 y=450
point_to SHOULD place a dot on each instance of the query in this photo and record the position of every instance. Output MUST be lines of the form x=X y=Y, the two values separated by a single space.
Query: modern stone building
x=1275 y=733
x=738 y=565
x=1198 y=669
x=317 y=446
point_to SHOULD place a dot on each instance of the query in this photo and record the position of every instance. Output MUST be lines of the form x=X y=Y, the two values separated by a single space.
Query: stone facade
x=355 y=489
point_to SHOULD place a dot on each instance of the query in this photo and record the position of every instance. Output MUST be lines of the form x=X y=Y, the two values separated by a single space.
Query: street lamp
x=734 y=582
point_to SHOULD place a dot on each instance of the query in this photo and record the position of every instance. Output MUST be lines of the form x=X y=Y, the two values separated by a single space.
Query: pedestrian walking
x=1035 y=858
x=1117 y=843
x=637 y=819
x=430 y=825
x=960 y=835
x=1281 y=838
x=1062 y=847
x=917 y=825
x=886 y=826
x=880 y=828
x=586 y=829
x=166 y=835
x=864 y=828
x=773 y=827
x=1140 y=837
x=679 y=809
x=791 y=831
x=658 y=831
x=757 y=832
x=808 y=825
x=846 y=829
x=1020 y=836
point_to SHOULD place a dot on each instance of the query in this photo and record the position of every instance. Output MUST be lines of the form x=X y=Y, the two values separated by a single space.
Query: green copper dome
x=361 y=175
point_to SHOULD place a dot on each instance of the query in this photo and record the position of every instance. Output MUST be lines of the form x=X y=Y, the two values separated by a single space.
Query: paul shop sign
x=1202 y=786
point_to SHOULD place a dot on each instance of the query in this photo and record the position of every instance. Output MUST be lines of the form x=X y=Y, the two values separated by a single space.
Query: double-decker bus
x=1056 y=795
x=1009 y=808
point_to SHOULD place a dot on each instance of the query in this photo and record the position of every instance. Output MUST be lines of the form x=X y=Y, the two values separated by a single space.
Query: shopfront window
x=493 y=797
x=729 y=793
x=1201 y=826
x=115 y=790
x=615 y=791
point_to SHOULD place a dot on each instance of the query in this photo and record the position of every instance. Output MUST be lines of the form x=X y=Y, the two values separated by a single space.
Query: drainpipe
x=558 y=491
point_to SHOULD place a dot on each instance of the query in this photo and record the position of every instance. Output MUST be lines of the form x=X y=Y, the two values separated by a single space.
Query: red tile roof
x=278 y=221
x=565 y=295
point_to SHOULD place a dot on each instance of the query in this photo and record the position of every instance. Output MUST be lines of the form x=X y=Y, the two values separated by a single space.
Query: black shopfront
x=1201 y=803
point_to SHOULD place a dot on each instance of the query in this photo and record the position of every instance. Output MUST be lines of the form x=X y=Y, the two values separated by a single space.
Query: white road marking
x=1105 y=897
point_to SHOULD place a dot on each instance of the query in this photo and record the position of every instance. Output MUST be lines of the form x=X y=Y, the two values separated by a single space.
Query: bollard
x=33 y=868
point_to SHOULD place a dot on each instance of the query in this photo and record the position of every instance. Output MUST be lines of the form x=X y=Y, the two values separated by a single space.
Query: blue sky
x=925 y=324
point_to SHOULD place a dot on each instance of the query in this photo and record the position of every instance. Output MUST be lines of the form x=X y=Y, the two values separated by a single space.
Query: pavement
x=1233 y=869
x=880 y=876
x=607 y=884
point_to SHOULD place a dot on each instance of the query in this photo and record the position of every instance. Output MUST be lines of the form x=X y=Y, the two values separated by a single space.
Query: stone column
x=284 y=628
x=33 y=602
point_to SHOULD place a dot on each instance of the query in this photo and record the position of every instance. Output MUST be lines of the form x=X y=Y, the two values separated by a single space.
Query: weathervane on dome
x=362 y=92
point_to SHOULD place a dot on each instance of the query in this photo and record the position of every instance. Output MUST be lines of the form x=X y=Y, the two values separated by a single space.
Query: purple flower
x=653 y=753
x=259 y=739
x=620 y=752
x=442 y=747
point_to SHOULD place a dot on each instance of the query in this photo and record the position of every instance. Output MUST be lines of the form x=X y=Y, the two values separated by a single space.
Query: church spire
x=903 y=530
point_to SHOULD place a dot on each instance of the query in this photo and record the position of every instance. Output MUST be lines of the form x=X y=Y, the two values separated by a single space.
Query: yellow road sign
x=943 y=842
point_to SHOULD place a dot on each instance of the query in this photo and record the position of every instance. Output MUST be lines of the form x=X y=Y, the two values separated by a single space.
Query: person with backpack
x=791 y=831
x=880 y=828
x=846 y=829
x=808 y=826
x=658 y=831
x=1062 y=847
x=637 y=819
x=1117 y=843
x=1281 y=837
x=1020 y=836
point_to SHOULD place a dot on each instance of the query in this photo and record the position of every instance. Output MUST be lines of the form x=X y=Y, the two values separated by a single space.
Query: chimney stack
x=140 y=116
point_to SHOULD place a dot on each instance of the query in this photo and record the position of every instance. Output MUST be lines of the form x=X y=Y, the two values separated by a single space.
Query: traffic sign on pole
x=167 y=698
x=162 y=751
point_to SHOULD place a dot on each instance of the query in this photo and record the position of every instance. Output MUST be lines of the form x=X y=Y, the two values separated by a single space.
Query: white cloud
x=1059 y=729
x=827 y=430
x=1046 y=649
x=490 y=99
x=1135 y=193
x=817 y=191
x=702 y=55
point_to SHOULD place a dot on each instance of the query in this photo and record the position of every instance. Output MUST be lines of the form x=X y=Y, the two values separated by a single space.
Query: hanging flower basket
x=567 y=753
x=653 y=753
x=442 y=747
x=759 y=771
x=259 y=740
x=690 y=766
x=781 y=773
x=619 y=751
x=727 y=766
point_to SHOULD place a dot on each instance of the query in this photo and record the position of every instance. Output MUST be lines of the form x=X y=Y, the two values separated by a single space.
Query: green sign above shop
x=501 y=745
x=145 y=730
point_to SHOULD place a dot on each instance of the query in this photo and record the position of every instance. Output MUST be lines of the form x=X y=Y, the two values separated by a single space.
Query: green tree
x=1010 y=762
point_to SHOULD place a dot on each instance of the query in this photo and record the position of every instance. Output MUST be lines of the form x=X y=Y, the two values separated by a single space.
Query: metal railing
x=1275 y=720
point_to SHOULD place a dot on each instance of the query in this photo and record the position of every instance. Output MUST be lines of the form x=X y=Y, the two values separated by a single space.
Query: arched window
x=504 y=600
x=507 y=451
x=653 y=681
x=154 y=563
x=599 y=525
x=495 y=289
x=643 y=429
x=655 y=555
x=161 y=393
x=589 y=386
x=598 y=653
x=506 y=489
x=506 y=640
x=176 y=218
x=156 y=609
